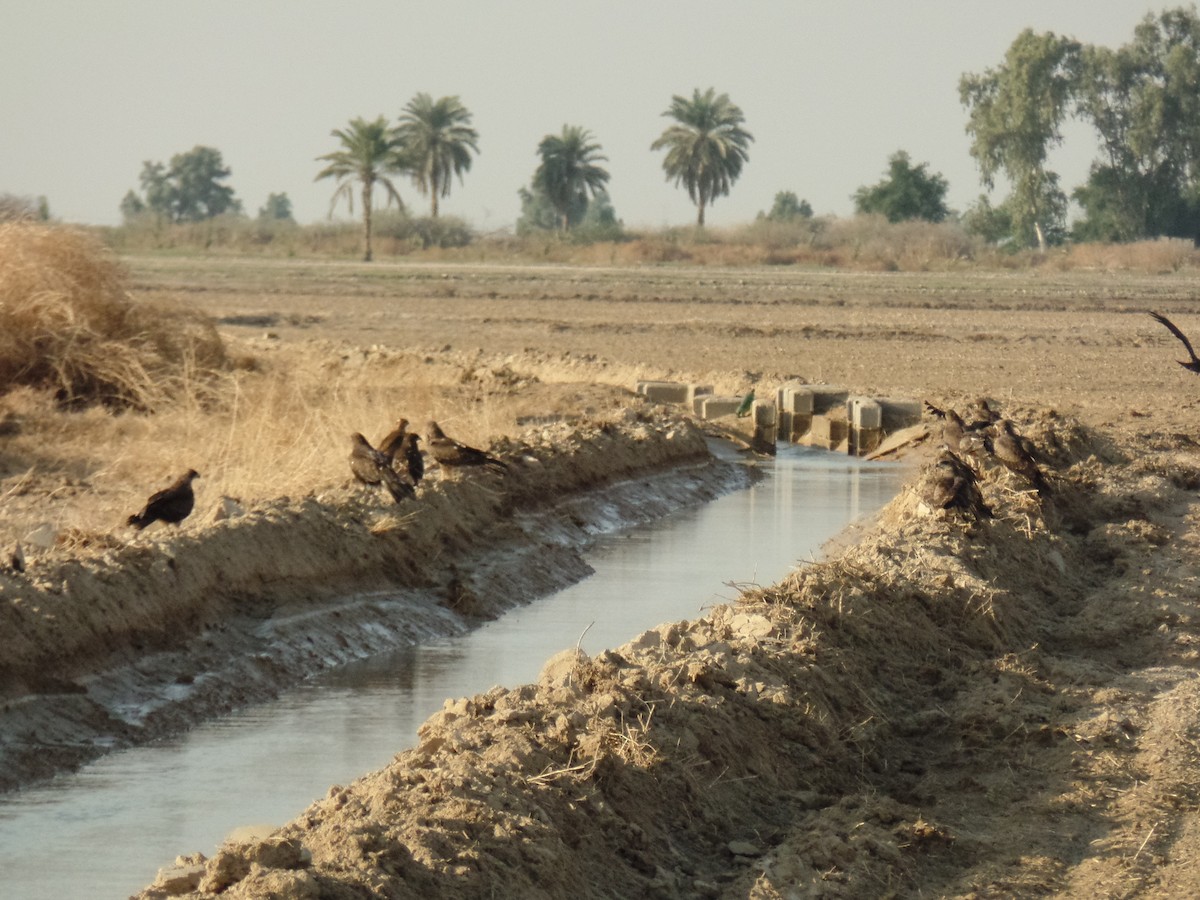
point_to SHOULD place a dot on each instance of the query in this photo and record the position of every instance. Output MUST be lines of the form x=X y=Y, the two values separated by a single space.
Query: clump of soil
x=952 y=707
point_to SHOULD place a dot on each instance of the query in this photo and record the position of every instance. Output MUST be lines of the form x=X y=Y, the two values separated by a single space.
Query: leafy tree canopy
x=437 y=140
x=906 y=192
x=588 y=219
x=569 y=172
x=1015 y=114
x=706 y=146
x=190 y=189
x=788 y=208
x=278 y=208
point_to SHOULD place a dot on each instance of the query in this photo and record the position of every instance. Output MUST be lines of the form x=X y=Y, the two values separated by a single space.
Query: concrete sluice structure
x=816 y=415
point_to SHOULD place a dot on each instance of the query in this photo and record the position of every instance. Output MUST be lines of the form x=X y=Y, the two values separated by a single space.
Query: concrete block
x=764 y=437
x=663 y=391
x=714 y=407
x=797 y=399
x=864 y=440
x=695 y=391
x=764 y=413
x=783 y=429
x=801 y=424
x=828 y=432
x=898 y=414
x=863 y=412
x=826 y=397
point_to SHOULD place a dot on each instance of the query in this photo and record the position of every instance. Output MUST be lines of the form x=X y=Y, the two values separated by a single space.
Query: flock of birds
x=954 y=481
x=397 y=466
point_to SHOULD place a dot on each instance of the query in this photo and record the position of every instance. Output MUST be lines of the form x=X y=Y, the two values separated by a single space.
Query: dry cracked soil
x=951 y=705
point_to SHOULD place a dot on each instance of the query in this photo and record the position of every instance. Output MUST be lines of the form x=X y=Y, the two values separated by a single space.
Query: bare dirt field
x=950 y=707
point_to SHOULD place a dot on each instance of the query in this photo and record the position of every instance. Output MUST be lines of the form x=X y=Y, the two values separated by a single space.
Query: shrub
x=68 y=324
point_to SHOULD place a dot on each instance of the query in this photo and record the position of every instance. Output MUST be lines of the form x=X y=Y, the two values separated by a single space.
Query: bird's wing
x=1174 y=329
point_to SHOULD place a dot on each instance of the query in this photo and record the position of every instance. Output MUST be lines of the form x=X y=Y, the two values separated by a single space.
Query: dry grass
x=68 y=324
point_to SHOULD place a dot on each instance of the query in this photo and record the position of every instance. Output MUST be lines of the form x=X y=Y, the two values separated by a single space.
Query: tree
x=788 y=208
x=190 y=189
x=15 y=208
x=568 y=172
x=437 y=140
x=706 y=147
x=367 y=157
x=278 y=208
x=1144 y=101
x=132 y=206
x=593 y=219
x=907 y=192
x=1015 y=116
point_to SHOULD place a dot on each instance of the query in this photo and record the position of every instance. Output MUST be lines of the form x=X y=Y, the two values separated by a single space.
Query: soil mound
x=106 y=648
x=955 y=706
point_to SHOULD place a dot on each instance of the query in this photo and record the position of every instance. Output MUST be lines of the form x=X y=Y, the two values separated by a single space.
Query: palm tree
x=368 y=156
x=568 y=171
x=437 y=139
x=706 y=148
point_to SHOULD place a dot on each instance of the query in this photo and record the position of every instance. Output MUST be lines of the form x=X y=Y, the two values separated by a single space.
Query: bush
x=68 y=324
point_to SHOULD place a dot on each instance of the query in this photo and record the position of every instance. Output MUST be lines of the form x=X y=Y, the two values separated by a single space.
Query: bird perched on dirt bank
x=450 y=454
x=374 y=468
x=1193 y=364
x=952 y=484
x=410 y=456
x=953 y=426
x=746 y=405
x=1011 y=450
x=172 y=504
x=390 y=444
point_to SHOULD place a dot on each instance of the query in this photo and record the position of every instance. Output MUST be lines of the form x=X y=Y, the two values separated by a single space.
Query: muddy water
x=103 y=831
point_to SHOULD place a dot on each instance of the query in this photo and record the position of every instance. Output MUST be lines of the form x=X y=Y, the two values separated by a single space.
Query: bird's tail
x=400 y=489
x=139 y=520
x=495 y=465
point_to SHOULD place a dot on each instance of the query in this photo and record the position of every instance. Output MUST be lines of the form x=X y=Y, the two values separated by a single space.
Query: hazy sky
x=89 y=89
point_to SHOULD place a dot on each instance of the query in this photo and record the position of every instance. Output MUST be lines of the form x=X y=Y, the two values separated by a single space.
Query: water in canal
x=102 y=832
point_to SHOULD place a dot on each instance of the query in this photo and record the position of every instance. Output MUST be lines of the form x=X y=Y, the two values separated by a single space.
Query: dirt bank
x=112 y=647
x=949 y=708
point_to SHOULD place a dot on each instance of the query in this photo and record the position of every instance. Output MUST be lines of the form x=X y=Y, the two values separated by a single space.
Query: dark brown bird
x=450 y=454
x=1009 y=449
x=392 y=440
x=1193 y=364
x=410 y=454
x=374 y=468
x=952 y=484
x=171 y=505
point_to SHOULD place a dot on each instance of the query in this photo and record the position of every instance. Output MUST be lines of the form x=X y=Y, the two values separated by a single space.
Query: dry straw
x=67 y=324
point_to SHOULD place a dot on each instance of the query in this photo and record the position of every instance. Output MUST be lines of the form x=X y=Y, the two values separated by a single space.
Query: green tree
x=593 y=219
x=906 y=192
x=437 y=140
x=706 y=147
x=569 y=172
x=278 y=208
x=132 y=206
x=1015 y=114
x=788 y=208
x=368 y=156
x=1144 y=101
x=190 y=189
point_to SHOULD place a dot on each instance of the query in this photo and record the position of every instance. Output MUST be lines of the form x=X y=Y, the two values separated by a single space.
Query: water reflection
x=102 y=832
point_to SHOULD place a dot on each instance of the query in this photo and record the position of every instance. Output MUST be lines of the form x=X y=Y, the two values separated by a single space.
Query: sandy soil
x=951 y=708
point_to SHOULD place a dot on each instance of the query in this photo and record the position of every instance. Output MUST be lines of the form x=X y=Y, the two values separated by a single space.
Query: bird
x=451 y=454
x=746 y=405
x=953 y=484
x=1193 y=364
x=17 y=559
x=410 y=453
x=1009 y=449
x=172 y=504
x=374 y=468
x=392 y=440
x=952 y=426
